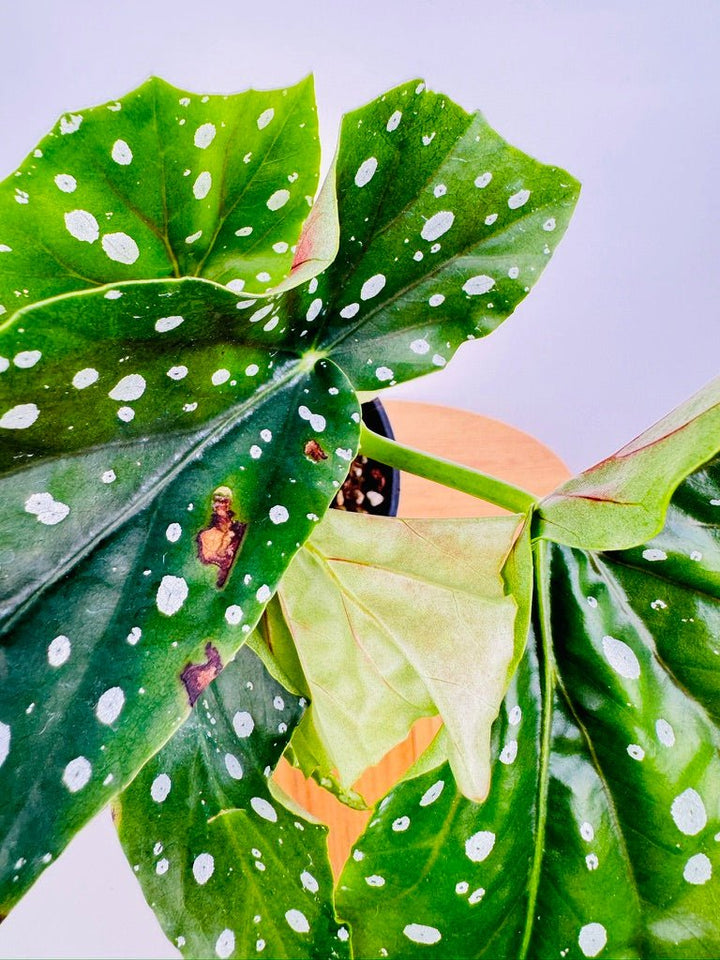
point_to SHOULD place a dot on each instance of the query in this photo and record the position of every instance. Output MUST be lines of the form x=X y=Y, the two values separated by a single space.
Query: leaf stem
x=455 y=475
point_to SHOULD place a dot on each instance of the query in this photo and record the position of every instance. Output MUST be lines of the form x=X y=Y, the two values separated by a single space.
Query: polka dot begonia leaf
x=230 y=869
x=600 y=836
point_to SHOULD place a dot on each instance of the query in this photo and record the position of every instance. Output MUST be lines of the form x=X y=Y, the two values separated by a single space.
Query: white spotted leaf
x=599 y=836
x=220 y=857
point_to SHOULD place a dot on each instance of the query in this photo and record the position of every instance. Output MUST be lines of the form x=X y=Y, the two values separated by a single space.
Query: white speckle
x=279 y=514
x=401 y=824
x=162 y=866
x=120 y=247
x=490 y=219
x=313 y=285
x=636 y=751
x=509 y=752
x=549 y=224
x=264 y=809
x=59 y=651
x=244 y=232
x=437 y=225
x=658 y=605
x=592 y=602
x=297 y=921
x=358 y=855
x=66 y=183
x=514 y=273
x=204 y=135
x=260 y=945
x=384 y=373
x=203 y=867
x=202 y=186
x=366 y=171
x=177 y=373
x=126 y=414
x=316 y=420
x=27 y=359
x=665 y=733
x=476 y=896
x=251 y=370
x=427 y=140
x=518 y=199
x=173 y=532
x=375 y=881
x=587 y=832
x=483 y=180
x=420 y=933
x=121 y=153
x=654 y=554
x=233 y=766
x=70 y=124
x=195 y=237
x=20 y=417
x=696 y=555
x=109 y=476
x=372 y=286
x=592 y=939
x=225 y=944
x=82 y=225
x=278 y=703
x=438 y=360
x=5 y=735
x=265 y=118
x=264 y=277
x=220 y=376
x=129 y=388
x=440 y=190
x=134 y=636
x=77 y=774
x=688 y=812
x=255 y=451
x=436 y=299
x=698 y=869
x=462 y=888
x=260 y=314
x=432 y=793
x=84 y=378
x=515 y=716
x=278 y=199
x=47 y=510
x=592 y=862
x=394 y=121
x=309 y=882
x=233 y=614
x=420 y=346
x=349 y=311
x=266 y=435
x=243 y=724
x=313 y=310
x=189 y=407
x=478 y=285
x=160 y=788
x=171 y=595
x=480 y=845
x=621 y=658
x=109 y=705
x=263 y=594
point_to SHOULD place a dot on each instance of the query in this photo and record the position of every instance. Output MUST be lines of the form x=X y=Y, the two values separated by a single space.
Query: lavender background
x=623 y=325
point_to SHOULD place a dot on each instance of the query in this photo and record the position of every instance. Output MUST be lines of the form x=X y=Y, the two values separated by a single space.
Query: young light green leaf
x=599 y=837
x=621 y=501
x=390 y=621
x=162 y=183
x=229 y=870
x=444 y=228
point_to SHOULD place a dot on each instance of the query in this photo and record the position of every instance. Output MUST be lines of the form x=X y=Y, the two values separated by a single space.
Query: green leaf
x=622 y=501
x=444 y=228
x=600 y=833
x=162 y=183
x=227 y=867
x=391 y=621
x=94 y=658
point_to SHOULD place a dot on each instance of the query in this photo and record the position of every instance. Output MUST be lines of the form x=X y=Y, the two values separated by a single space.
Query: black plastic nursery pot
x=371 y=487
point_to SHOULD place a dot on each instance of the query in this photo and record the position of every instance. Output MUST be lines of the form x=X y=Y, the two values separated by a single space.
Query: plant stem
x=455 y=475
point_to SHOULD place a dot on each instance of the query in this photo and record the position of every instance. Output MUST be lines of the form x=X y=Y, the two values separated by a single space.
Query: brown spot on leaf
x=220 y=541
x=314 y=451
x=197 y=676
